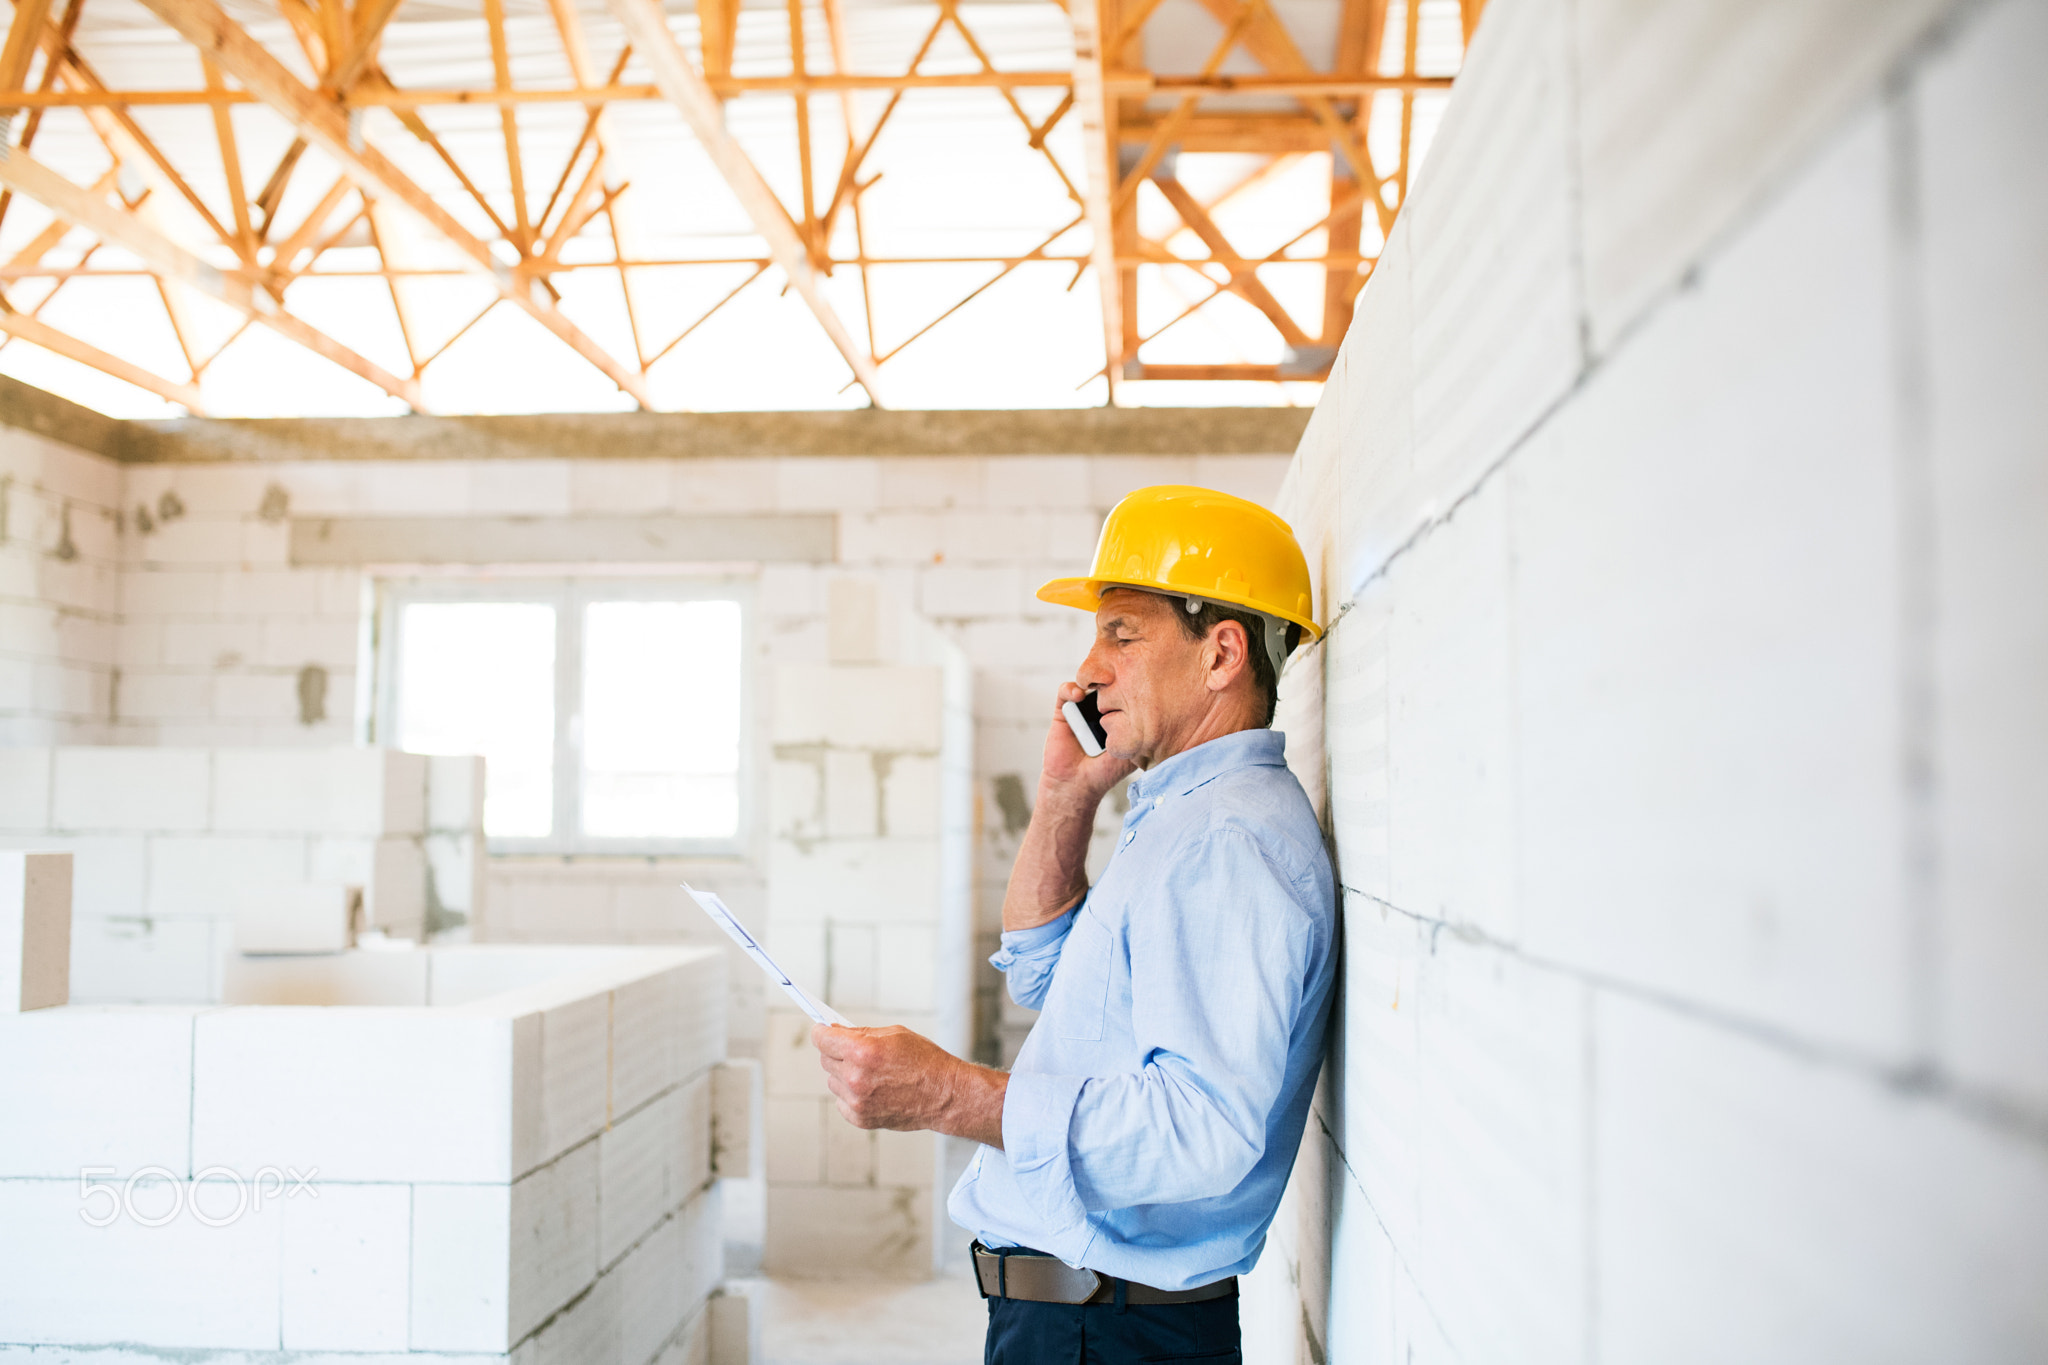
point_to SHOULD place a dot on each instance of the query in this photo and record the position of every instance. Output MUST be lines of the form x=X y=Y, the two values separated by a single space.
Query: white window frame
x=569 y=596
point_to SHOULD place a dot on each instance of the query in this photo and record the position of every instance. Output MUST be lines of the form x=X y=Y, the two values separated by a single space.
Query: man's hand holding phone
x=1068 y=765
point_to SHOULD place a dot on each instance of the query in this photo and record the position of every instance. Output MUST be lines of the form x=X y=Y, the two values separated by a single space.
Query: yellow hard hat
x=1196 y=542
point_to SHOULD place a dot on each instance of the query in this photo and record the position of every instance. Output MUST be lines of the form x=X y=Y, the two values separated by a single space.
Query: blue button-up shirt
x=1155 y=1110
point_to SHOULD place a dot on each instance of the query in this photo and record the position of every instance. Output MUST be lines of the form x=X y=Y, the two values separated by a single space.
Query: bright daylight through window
x=608 y=717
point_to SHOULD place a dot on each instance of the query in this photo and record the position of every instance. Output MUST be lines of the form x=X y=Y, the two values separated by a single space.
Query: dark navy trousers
x=1023 y=1333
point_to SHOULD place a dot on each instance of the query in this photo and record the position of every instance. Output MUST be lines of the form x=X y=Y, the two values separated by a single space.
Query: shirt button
x=1129 y=835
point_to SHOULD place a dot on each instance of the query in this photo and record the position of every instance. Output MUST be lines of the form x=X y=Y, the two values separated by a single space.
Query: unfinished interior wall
x=1678 y=501
x=230 y=637
x=240 y=569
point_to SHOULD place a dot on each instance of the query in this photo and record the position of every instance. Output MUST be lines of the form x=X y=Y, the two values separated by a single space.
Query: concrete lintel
x=646 y=435
x=27 y=408
x=807 y=538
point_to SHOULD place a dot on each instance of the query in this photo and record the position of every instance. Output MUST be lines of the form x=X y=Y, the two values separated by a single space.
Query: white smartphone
x=1084 y=718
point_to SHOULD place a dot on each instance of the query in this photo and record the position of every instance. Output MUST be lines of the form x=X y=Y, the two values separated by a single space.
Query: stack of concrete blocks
x=1679 y=501
x=511 y=1158
x=869 y=903
x=173 y=844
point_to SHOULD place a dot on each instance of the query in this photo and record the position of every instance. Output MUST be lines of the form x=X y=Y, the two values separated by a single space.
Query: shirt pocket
x=1079 y=998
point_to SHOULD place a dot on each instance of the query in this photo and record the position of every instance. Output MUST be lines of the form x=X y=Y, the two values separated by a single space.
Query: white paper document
x=723 y=916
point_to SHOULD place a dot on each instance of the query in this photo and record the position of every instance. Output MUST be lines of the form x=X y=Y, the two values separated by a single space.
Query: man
x=1133 y=1158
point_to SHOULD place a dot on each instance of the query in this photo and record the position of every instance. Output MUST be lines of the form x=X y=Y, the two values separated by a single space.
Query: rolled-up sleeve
x=1219 y=965
x=1028 y=957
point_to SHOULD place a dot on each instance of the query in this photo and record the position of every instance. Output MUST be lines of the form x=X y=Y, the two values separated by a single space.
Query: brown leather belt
x=1034 y=1276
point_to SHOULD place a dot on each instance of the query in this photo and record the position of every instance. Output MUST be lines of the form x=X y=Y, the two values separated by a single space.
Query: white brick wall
x=1682 y=740
x=216 y=626
x=171 y=844
x=60 y=591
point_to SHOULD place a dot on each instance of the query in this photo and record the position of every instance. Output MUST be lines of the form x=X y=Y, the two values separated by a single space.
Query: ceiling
x=562 y=205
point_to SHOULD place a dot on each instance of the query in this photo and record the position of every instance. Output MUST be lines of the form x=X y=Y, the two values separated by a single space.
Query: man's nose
x=1093 y=672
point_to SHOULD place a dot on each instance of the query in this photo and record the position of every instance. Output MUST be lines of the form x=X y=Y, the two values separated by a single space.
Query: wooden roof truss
x=1135 y=124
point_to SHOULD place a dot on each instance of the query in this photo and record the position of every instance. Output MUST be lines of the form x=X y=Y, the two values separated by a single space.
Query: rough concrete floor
x=869 y=1322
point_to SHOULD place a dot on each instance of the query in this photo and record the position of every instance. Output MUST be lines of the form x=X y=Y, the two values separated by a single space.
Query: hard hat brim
x=1085 y=594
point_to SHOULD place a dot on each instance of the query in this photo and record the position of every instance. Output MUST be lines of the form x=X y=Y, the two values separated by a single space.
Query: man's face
x=1150 y=680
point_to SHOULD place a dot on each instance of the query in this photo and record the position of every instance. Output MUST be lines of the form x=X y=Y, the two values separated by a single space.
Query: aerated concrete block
x=554 y=1236
x=865 y=880
x=206 y=875
x=213 y=1280
x=107 y=789
x=1494 y=236
x=362 y=792
x=455 y=794
x=1450 y=722
x=736 y=1117
x=856 y=707
x=301 y=917
x=1708 y=580
x=849 y=1153
x=96 y=1086
x=461 y=1253
x=574 y=1072
x=852 y=794
x=25 y=789
x=1980 y=114
x=365 y=1095
x=345 y=1269
x=734 y=1329
x=132 y=959
x=1689 y=112
x=642 y=1173
x=1759 y=1204
x=796 y=1140
x=35 y=931
x=822 y=1230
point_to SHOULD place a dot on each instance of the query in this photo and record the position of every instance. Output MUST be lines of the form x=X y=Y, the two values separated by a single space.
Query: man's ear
x=1228 y=647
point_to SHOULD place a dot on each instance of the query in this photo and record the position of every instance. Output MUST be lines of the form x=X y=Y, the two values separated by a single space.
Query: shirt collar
x=1190 y=768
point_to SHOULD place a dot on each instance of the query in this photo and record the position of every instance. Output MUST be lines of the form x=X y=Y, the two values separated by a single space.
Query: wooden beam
x=1269 y=42
x=125 y=140
x=718 y=28
x=647 y=27
x=66 y=26
x=1098 y=155
x=835 y=33
x=272 y=193
x=1361 y=31
x=618 y=216
x=368 y=21
x=1468 y=13
x=1271 y=133
x=203 y=24
x=39 y=333
x=284 y=261
x=508 y=122
x=231 y=167
x=170 y=261
x=24 y=36
x=1269 y=374
x=1244 y=278
x=1123 y=84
